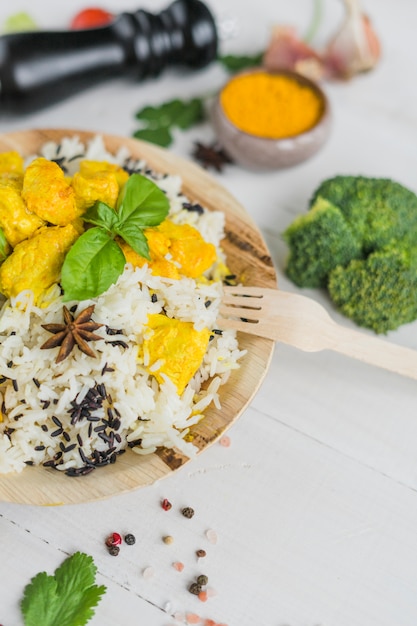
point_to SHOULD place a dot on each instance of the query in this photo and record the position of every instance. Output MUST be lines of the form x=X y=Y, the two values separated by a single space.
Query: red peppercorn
x=114 y=540
x=166 y=504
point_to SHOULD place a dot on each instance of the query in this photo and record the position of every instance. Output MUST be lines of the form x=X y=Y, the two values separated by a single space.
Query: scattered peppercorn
x=202 y=580
x=166 y=504
x=200 y=553
x=188 y=512
x=168 y=539
x=130 y=539
x=113 y=540
x=194 y=588
x=114 y=550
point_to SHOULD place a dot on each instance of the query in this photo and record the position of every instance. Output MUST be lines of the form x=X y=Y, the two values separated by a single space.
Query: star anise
x=78 y=331
x=211 y=156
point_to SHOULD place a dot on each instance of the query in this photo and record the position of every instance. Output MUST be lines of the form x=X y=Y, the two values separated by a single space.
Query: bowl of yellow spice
x=271 y=120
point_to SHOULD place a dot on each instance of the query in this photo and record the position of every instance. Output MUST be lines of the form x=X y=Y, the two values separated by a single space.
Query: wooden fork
x=303 y=323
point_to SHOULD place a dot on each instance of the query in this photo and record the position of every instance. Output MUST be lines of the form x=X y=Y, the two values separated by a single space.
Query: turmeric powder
x=269 y=105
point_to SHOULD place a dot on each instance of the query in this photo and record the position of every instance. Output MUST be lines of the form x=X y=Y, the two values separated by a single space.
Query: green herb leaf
x=4 y=247
x=159 y=136
x=95 y=261
x=234 y=63
x=92 y=265
x=160 y=120
x=67 y=598
x=101 y=214
x=135 y=238
x=191 y=113
x=142 y=203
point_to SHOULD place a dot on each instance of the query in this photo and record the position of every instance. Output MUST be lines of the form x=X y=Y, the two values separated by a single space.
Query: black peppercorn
x=188 y=512
x=130 y=539
x=202 y=580
x=194 y=588
x=114 y=550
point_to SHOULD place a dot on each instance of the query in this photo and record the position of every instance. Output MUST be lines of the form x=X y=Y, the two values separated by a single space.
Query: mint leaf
x=142 y=203
x=191 y=113
x=92 y=265
x=235 y=63
x=160 y=120
x=101 y=214
x=67 y=598
x=159 y=136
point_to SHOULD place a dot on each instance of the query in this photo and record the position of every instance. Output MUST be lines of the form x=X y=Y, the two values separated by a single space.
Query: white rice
x=38 y=396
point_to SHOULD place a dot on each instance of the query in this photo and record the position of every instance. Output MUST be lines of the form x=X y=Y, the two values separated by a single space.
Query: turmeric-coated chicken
x=11 y=162
x=16 y=221
x=47 y=193
x=11 y=169
x=175 y=349
x=36 y=262
x=175 y=250
x=97 y=181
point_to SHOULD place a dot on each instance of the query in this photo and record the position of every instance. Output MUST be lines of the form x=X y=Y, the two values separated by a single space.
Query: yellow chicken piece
x=188 y=253
x=16 y=221
x=98 y=180
x=179 y=348
x=89 y=168
x=11 y=169
x=48 y=194
x=188 y=248
x=36 y=263
x=11 y=162
x=158 y=248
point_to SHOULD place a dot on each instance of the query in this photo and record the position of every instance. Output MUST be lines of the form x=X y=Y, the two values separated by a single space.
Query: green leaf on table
x=235 y=63
x=159 y=136
x=160 y=120
x=92 y=265
x=67 y=598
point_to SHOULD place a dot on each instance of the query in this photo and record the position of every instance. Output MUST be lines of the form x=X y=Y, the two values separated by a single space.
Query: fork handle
x=372 y=350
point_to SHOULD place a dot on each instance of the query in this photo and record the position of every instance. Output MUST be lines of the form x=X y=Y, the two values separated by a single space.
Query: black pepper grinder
x=38 y=68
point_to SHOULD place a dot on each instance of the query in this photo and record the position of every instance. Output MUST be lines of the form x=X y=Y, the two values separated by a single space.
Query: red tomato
x=91 y=18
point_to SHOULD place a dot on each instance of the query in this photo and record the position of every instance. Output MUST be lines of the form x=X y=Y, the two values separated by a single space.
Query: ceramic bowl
x=256 y=152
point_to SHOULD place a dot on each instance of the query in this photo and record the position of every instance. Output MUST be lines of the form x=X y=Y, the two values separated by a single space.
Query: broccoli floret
x=378 y=210
x=379 y=292
x=319 y=241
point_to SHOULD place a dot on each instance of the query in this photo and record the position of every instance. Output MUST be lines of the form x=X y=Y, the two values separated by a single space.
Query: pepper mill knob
x=38 y=68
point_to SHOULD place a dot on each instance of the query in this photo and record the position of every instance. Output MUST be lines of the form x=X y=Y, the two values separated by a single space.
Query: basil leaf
x=92 y=265
x=4 y=247
x=135 y=238
x=142 y=203
x=100 y=214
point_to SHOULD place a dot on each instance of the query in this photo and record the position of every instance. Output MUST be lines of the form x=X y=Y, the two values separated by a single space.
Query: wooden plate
x=247 y=257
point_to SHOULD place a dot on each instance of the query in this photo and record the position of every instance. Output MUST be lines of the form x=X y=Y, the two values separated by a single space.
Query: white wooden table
x=315 y=501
